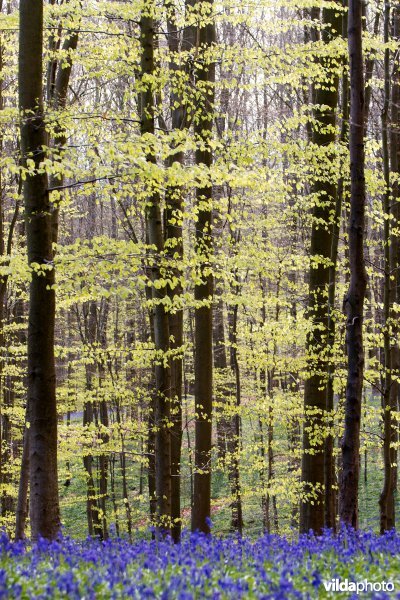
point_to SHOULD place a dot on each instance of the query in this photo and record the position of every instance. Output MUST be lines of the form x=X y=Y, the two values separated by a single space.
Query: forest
x=199 y=298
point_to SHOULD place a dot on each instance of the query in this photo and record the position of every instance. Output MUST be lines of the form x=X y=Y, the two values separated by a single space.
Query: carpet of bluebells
x=199 y=567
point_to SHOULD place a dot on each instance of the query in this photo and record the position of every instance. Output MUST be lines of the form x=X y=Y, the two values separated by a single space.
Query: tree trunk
x=22 y=501
x=102 y=320
x=44 y=503
x=57 y=86
x=330 y=478
x=203 y=291
x=354 y=301
x=370 y=62
x=395 y=244
x=174 y=248
x=234 y=443
x=326 y=99
x=390 y=242
x=160 y=316
x=221 y=391
x=89 y=339
x=114 y=497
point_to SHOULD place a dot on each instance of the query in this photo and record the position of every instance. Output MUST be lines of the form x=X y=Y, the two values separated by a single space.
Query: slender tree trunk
x=294 y=443
x=92 y=504
x=160 y=316
x=151 y=451
x=264 y=495
x=228 y=390
x=58 y=83
x=390 y=384
x=92 y=508
x=3 y=280
x=370 y=61
x=122 y=458
x=235 y=429
x=151 y=419
x=113 y=495
x=395 y=243
x=44 y=503
x=102 y=320
x=354 y=301
x=174 y=247
x=203 y=292
x=330 y=479
x=221 y=388
x=22 y=501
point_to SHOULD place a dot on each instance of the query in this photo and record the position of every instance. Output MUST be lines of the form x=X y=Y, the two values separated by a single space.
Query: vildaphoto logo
x=359 y=587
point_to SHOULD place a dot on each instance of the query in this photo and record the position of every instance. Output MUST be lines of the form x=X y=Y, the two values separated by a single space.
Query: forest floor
x=349 y=565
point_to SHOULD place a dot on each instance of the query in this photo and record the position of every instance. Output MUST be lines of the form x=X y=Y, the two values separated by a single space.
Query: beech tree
x=325 y=97
x=391 y=256
x=41 y=393
x=354 y=300
x=203 y=127
x=160 y=317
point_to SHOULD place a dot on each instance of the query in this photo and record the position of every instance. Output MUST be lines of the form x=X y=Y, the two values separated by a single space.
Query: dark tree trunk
x=57 y=89
x=3 y=288
x=151 y=452
x=370 y=62
x=390 y=242
x=44 y=504
x=235 y=429
x=160 y=316
x=176 y=336
x=205 y=77
x=122 y=458
x=114 y=497
x=174 y=248
x=89 y=339
x=102 y=320
x=221 y=388
x=22 y=501
x=395 y=243
x=325 y=188
x=330 y=478
x=354 y=301
x=151 y=419
x=92 y=508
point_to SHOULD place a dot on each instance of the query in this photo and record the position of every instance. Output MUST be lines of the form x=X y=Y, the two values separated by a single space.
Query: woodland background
x=160 y=119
